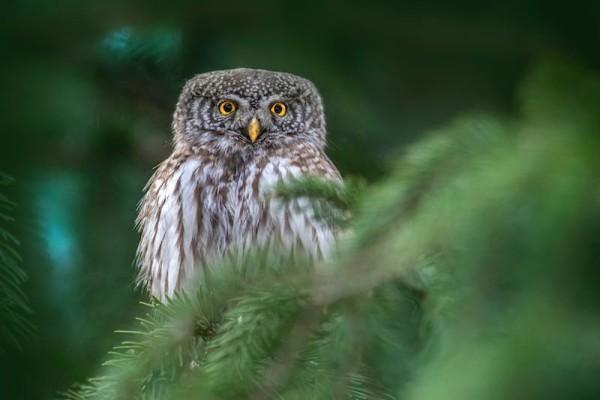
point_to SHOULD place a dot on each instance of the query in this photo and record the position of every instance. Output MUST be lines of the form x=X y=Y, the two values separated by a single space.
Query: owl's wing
x=296 y=224
x=160 y=255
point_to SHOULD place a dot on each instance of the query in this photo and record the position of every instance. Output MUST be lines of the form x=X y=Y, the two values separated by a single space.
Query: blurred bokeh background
x=88 y=89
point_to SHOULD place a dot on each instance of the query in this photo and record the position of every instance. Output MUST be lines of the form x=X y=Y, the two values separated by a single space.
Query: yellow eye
x=279 y=109
x=227 y=107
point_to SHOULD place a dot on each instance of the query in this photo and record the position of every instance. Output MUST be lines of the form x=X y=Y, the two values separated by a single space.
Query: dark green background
x=88 y=89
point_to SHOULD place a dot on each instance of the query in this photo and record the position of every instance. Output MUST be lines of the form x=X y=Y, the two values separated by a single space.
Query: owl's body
x=212 y=197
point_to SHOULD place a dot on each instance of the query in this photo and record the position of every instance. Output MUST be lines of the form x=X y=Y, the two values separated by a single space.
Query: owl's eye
x=279 y=109
x=227 y=107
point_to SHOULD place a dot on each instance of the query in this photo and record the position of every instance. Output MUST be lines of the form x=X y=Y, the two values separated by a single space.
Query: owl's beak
x=254 y=129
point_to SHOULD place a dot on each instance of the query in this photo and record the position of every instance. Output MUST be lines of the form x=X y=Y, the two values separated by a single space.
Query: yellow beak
x=253 y=129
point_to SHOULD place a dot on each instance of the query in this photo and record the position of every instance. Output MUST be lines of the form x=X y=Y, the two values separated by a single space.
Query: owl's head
x=249 y=109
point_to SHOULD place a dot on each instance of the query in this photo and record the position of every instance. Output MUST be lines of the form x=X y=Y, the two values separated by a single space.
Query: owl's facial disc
x=248 y=119
x=255 y=107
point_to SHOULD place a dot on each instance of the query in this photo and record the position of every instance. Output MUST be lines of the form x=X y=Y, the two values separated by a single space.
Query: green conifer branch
x=14 y=308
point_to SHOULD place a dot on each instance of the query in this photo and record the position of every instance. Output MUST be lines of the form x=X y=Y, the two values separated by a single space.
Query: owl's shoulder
x=294 y=162
x=311 y=160
x=180 y=161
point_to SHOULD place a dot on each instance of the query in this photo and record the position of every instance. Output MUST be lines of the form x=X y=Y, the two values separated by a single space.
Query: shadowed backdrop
x=88 y=92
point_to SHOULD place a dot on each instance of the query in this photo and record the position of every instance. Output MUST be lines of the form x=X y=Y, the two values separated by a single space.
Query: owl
x=237 y=134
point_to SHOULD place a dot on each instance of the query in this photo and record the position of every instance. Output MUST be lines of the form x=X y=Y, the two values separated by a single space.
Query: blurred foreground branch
x=471 y=273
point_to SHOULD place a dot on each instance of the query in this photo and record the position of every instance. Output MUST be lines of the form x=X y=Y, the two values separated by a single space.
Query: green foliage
x=14 y=310
x=332 y=202
x=471 y=273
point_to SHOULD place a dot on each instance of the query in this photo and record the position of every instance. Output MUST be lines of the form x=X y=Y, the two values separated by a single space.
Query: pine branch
x=14 y=308
x=330 y=201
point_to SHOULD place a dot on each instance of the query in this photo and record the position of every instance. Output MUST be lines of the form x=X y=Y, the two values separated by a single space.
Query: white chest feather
x=205 y=210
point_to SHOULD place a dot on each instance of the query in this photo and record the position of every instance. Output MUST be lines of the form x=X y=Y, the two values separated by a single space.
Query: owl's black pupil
x=277 y=109
x=227 y=107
